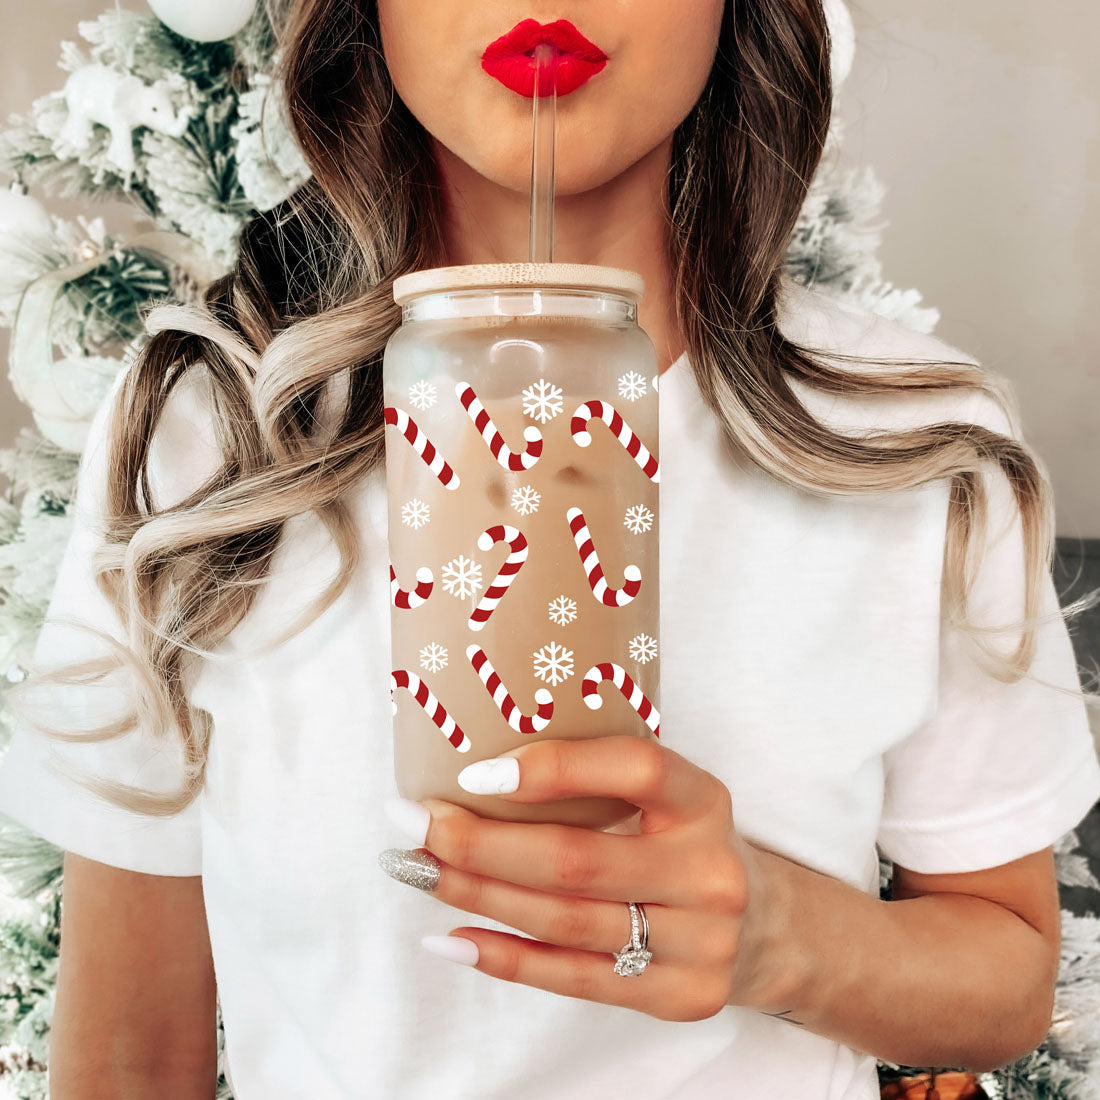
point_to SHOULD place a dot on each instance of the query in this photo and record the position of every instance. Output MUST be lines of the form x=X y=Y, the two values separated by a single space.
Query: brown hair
x=292 y=338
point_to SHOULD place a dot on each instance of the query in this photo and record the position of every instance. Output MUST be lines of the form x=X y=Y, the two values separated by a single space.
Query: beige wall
x=981 y=119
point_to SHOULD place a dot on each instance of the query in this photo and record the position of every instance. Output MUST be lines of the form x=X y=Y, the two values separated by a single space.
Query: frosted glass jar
x=522 y=474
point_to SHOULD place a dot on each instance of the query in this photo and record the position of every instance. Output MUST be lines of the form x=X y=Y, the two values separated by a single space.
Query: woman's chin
x=576 y=171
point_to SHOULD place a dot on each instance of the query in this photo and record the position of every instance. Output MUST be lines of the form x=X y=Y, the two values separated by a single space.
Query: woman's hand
x=700 y=882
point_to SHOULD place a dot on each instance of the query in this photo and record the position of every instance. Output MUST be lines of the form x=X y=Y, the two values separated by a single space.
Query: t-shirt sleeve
x=1001 y=769
x=32 y=790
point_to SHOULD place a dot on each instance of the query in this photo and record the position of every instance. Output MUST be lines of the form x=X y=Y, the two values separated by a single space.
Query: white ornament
x=96 y=94
x=24 y=215
x=64 y=401
x=204 y=20
x=28 y=248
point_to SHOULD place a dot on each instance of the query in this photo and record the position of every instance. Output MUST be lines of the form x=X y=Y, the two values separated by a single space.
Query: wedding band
x=634 y=956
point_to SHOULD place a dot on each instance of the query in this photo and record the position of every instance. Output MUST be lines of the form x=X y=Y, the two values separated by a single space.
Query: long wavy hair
x=292 y=340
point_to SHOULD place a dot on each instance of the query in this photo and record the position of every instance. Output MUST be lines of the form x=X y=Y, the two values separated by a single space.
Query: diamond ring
x=634 y=956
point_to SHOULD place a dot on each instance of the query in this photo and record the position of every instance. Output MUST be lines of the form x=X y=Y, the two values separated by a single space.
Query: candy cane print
x=519 y=721
x=484 y=424
x=435 y=710
x=622 y=431
x=618 y=675
x=613 y=597
x=400 y=597
x=517 y=546
x=422 y=445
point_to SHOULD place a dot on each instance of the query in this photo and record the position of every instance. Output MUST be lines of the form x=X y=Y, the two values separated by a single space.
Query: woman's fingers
x=584 y=863
x=686 y=936
x=575 y=940
x=663 y=990
x=667 y=787
x=565 y=886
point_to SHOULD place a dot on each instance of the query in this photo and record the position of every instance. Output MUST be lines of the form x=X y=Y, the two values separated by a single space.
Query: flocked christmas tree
x=182 y=118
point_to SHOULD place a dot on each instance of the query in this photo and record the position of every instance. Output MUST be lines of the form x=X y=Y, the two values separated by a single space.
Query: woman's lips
x=511 y=58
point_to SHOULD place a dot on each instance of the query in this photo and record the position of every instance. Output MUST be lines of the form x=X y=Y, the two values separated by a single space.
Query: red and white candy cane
x=435 y=710
x=406 y=599
x=517 y=546
x=613 y=597
x=622 y=431
x=618 y=675
x=423 y=446
x=510 y=460
x=519 y=721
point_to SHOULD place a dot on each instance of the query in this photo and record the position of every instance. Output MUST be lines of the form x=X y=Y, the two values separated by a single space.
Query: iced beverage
x=523 y=479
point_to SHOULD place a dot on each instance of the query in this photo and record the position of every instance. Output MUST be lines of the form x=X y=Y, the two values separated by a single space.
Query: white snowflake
x=433 y=657
x=553 y=663
x=462 y=577
x=643 y=648
x=543 y=400
x=563 y=610
x=638 y=518
x=632 y=385
x=415 y=513
x=525 y=500
x=423 y=395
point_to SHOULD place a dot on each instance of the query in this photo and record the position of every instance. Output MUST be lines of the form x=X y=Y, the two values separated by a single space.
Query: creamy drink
x=523 y=480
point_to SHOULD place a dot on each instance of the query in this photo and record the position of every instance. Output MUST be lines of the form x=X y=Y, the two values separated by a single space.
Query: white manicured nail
x=408 y=817
x=500 y=775
x=456 y=948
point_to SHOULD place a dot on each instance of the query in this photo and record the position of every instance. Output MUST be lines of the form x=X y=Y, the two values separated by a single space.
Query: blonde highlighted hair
x=291 y=341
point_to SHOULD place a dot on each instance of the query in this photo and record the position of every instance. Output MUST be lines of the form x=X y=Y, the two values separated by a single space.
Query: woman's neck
x=619 y=224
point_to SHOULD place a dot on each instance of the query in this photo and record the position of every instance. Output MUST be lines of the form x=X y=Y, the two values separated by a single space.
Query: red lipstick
x=511 y=58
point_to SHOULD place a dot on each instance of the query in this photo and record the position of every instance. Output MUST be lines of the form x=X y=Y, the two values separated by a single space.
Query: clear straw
x=543 y=119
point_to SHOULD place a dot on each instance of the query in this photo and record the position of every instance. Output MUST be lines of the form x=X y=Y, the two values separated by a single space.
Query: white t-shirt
x=803 y=664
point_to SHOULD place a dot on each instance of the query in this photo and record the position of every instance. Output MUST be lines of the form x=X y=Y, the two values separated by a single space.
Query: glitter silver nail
x=414 y=866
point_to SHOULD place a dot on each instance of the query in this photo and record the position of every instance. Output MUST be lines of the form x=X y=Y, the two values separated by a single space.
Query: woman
x=834 y=539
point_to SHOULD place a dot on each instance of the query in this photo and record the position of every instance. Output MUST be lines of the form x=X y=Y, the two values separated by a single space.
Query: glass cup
x=522 y=479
